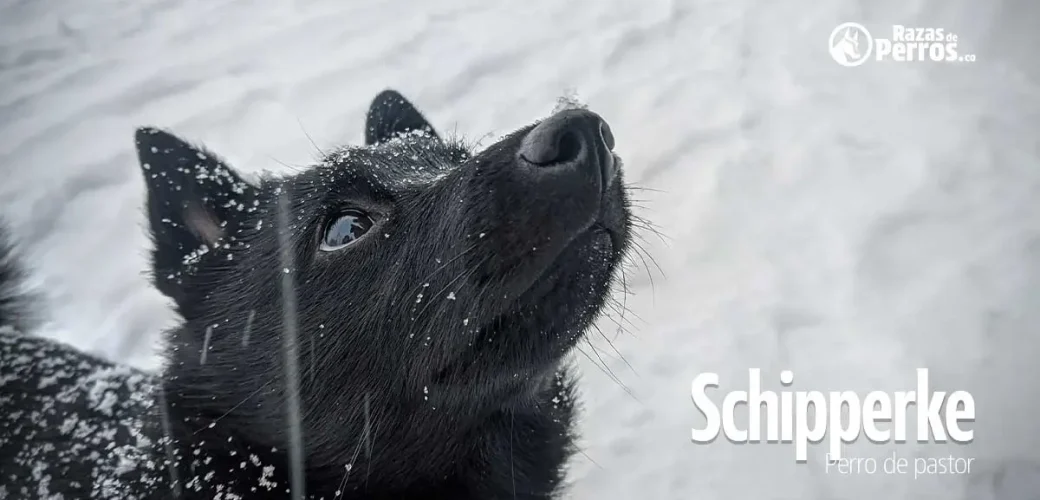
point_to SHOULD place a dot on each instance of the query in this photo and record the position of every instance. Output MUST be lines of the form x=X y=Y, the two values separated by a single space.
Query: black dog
x=390 y=324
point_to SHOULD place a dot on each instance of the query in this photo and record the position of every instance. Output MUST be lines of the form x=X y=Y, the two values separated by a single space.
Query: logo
x=851 y=44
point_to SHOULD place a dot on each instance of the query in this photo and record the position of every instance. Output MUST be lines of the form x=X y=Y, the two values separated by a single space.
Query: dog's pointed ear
x=391 y=115
x=195 y=203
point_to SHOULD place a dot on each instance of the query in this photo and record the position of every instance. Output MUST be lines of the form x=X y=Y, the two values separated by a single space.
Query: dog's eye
x=345 y=229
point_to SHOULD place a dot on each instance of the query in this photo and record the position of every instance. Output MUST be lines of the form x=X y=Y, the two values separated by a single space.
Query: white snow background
x=849 y=224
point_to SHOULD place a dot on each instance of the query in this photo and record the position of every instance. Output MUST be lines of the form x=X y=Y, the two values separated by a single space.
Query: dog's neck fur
x=533 y=437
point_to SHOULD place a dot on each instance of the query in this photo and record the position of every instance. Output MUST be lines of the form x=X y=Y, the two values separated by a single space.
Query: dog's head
x=415 y=277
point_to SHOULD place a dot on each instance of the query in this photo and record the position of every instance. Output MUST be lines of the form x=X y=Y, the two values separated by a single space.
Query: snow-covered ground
x=849 y=224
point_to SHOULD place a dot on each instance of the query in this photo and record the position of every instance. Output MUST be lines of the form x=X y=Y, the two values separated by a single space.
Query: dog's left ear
x=391 y=115
x=195 y=203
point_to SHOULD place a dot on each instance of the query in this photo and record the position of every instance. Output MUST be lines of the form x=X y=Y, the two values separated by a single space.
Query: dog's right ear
x=195 y=201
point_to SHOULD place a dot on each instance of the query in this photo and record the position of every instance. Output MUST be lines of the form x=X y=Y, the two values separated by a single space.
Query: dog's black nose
x=575 y=137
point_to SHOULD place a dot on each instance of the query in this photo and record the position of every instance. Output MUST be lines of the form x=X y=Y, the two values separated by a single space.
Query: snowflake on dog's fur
x=569 y=100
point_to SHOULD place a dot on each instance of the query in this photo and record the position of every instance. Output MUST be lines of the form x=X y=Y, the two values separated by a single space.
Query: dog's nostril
x=551 y=145
x=568 y=148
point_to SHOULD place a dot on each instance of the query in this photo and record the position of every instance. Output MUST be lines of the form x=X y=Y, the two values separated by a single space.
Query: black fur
x=428 y=353
x=14 y=312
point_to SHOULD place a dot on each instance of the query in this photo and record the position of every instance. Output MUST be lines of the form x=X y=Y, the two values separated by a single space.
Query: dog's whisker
x=441 y=267
x=442 y=305
x=616 y=351
x=343 y=482
x=635 y=187
x=309 y=138
x=349 y=467
x=215 y=421
x=601 y=364
x=641 y=253
x=586 y=455
x=460 y=276
x=293 y=168
x=648 y=226
x=624 y=321
x=619 y=306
